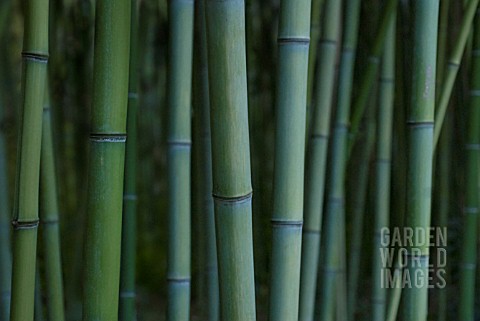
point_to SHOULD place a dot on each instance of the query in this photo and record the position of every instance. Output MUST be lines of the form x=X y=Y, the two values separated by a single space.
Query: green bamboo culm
x=420 y=155
x=470 y=226
x=106 y=163
x=370 y=74
x=25 y=209
x=5 y=228
x=178 y=157
x=49 y=219
x=127 y=309
x=383 y=161
x=202 y=119
x=232 y=190
x=451 y=70
x=358 y=206
x=287 y=218
x=336 y=189
x=315 y=30
x=316 y=158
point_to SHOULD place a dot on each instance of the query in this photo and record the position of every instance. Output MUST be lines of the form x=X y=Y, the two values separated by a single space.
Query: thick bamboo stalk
x=420 y=155
x=383 y=168
x=452 y=67
x=179 y=154
x=334 y=221
x=206 y=212
x=25 y=210
x=232 y=191
x=127 y=309
x=287 y=218
x=49 y=219
x=106 y=164
x=316 y=158
x=371 y=72
x=470 y=227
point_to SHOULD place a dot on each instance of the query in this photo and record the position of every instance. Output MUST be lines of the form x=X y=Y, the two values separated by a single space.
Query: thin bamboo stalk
x=334 y=232
x=25 y=210
x=452 y=67
x=371 y=72
x=202 y=118
x=420 y=155
x=127 y=309
x=396 y=292
x=358 y=207
x=107 y=158
x=5 y=228
x=316 y=158
x=472 y=150
x=315 y=34
x=49 y=218
x=179 y=154
x=287 y=218
x=383 y=168
x=232 y=191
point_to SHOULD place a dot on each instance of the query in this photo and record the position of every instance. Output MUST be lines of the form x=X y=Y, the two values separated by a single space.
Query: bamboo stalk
x=383 y=169
x=5 y=227
x=358 y=207
x=107 y=156
x=179 y=154
x=337 y=162
x=470 y=227
x=420 y=154
x=371 y=72
x=315 y=34
x=232 y=191
x=202 y=118
x=287 y=218
x=316 y=158
x=25 y=210
x=127 y=309
x=452 y=67
x=49 y=217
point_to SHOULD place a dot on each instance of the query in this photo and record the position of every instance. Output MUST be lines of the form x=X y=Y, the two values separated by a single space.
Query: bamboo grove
x=239 y=160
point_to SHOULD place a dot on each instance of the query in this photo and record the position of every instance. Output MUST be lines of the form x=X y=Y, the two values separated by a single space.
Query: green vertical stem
x=127 y=309
x=452 y=67
x=316 y=158
x=5 y=226
x=287 y=217
x=334 y=220
x=370 y=74
x=315 y=33
x=420 y=155
x=25 y=210
x=49 y=219
x=383 y=161
x=442 y=202
x=106 y=163
x=472 y=149
x=178 y=157
x=232 y=191
x=206 y=212
x=442 y=39
x=358 y=207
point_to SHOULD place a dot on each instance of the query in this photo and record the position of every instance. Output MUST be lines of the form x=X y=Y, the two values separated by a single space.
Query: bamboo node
x=280 y=223
x=108 y=138
x=286 y=40
x=234 y=199
x=35 y=56
x=25 y=225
